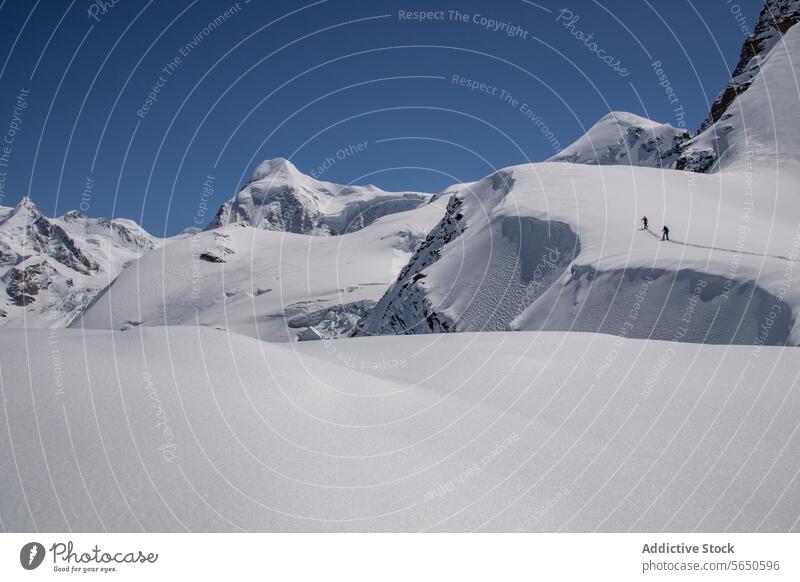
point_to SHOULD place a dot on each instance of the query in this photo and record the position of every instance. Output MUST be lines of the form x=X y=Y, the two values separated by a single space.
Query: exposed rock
x=24 y=283
x=73 y=257
x=776 y=17
x=279 y=197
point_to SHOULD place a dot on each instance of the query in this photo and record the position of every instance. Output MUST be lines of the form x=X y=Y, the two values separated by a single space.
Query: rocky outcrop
x=776 y=17
x=23 y=284
x=705 y=152
x=405 y=309
x=51 y=268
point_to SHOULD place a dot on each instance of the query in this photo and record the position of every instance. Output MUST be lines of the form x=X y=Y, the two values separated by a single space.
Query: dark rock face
x=287 y=212
x=404 y=308
x=23 y=284
x=777 y=16
x=58 y=244
x=63 y=256
x=8 y=257
x=211 y=258
x=123 y=236
x=279 y=208
x=699 y=161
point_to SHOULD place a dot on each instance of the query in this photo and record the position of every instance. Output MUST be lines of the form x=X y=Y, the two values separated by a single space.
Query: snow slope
x=557 y=247
x=279 y=197
x=178 y=428
x=759 y=126
x=270 y=285
x=554 y=247
x=776 y=17
x=626 y=139
x=51 y=268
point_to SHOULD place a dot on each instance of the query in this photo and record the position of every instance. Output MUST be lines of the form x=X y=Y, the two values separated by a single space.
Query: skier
x=665 y=232
x=644 y=223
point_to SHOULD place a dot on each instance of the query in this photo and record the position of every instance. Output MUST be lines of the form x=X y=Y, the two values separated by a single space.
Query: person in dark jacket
x=644 y=223
x=665 y=232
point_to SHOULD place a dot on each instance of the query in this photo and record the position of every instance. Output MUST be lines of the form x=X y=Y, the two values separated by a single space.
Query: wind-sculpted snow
x=522 y=262
x=279 y=197
x=191 y=428
x=559 y=247
x=678 y=306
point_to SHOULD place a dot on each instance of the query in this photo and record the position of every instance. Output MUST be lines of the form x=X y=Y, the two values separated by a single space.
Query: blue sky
x=311 y=80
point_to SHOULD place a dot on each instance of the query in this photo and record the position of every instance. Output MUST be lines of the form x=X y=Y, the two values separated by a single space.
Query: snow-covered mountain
x=51 y=268
x=557 y=247
x=755 y=117
x=549 y=246
x=775 y=19
x=158 y=408
x=621 y=138
x=280 y=197
x=275 y=286
x=554 y=246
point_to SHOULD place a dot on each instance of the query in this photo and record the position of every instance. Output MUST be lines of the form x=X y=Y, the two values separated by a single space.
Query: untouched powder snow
x=179 y=428
x=622 y=138
x=275 y=286
x=279 y=197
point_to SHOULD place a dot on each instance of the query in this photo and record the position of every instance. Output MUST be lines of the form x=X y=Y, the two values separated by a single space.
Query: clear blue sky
x=305 y=80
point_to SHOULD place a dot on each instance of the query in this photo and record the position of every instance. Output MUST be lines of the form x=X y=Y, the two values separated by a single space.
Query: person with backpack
x=644 y=223
x=665 y=232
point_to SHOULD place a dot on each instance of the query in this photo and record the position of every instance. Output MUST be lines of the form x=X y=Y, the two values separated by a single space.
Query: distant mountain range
x=538 y=246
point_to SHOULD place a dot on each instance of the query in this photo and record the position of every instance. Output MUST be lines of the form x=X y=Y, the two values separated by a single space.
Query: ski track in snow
x=712 y=248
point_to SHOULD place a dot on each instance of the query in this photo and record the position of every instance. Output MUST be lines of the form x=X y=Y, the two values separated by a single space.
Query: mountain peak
x=26 y=202
x=622 y=138
x=775 y=19
x=275 y=168
x=24 y=208
x=280 y=197
x=755 y=116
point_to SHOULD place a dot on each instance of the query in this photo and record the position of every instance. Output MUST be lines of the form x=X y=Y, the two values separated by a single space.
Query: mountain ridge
x=280 y=197
x=51 y=268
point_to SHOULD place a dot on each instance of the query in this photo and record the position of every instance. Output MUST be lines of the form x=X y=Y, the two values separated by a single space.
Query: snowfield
x=555 y=246
x=269 y=285
x=295 y=366
x=191 y=428
x=558 y=247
